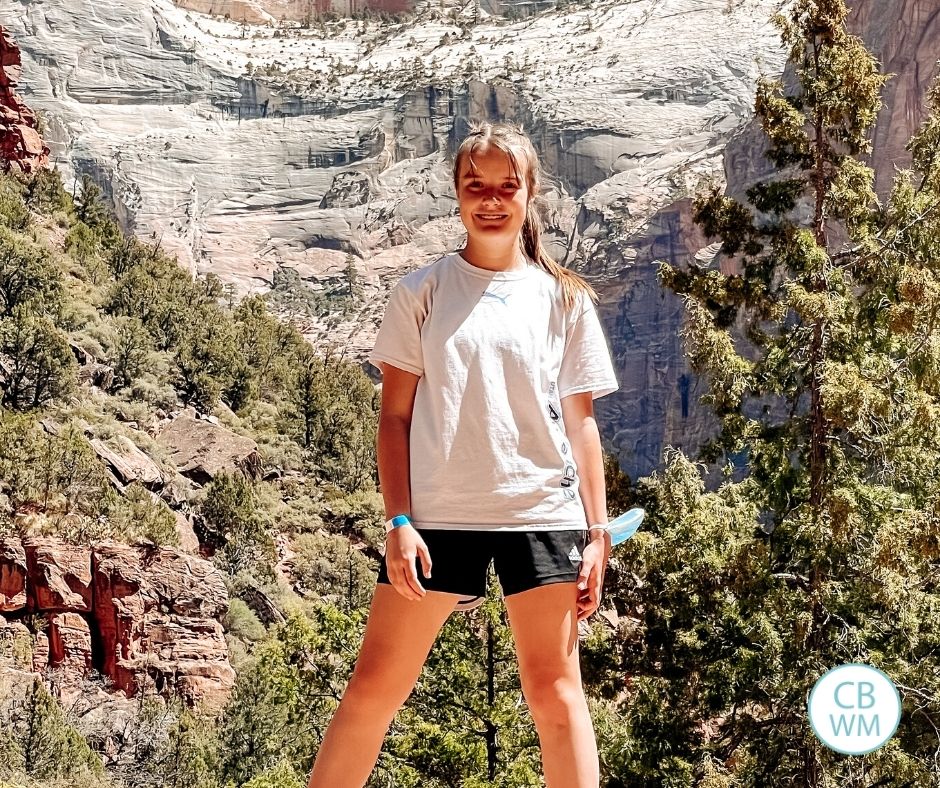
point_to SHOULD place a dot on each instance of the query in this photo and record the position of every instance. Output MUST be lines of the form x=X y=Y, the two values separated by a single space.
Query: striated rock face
x=259 y=12
x=147 y=618
x=21 y=146
x=59 y=575
x=905 y=35
x=12 y=576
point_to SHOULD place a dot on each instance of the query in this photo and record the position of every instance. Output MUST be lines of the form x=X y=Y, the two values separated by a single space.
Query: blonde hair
x=510 y=139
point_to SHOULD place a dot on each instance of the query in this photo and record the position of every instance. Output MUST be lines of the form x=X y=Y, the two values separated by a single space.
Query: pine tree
x=821 y=547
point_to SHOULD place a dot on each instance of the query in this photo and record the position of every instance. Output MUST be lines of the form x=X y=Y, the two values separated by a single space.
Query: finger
x=405 y=587
x=411 y=575
x=583 y=576
x=425 y=559
x=400 y=583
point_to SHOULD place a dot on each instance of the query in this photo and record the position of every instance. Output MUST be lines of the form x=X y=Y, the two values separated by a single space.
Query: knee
x=373 y=690
x=553 y=699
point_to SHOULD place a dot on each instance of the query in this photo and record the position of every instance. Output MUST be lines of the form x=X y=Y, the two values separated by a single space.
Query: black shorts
x=522 y=559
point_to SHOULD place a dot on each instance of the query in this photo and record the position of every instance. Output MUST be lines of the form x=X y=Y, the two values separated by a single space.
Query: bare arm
x=393 y=439
x=393 y=444
x=585 y=439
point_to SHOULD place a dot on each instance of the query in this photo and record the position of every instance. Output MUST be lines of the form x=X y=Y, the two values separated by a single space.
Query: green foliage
x=13 y=211
x=81 y=242
x=190 y=758
x=130 y=351
x=141 y=515
x=41 y=366
x=45 y=194
x=823 y=364
x=42 y=743
x=284 y=698
x=20 y=451
x=233 y=522
x=282 y=775
x=91 y=210
x=267 y=345
x=27 y=276
x=329 y=566
x=241 y=622
x=333 y=413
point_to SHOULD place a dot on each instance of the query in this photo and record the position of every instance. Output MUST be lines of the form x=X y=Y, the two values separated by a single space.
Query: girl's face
x=492 y=199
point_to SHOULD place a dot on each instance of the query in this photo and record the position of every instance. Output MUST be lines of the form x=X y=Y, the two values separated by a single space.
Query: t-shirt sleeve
x=399 y=339
x=586 y=364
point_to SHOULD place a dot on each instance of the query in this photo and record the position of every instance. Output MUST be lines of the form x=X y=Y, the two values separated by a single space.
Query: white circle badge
x=854 y=709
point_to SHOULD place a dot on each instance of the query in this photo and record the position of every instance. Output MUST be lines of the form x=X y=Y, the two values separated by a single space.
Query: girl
x=487 y=450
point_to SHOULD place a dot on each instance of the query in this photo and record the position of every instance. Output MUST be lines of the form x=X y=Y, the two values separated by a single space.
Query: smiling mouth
x=492 y=215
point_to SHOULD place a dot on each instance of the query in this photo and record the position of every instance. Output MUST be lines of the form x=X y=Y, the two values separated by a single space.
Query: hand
x=591 y=576
x=402 y=545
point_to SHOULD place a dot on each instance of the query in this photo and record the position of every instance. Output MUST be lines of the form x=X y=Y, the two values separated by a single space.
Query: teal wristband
x=397 y=522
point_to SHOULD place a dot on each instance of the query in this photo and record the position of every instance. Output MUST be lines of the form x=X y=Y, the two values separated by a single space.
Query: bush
x=328 y=566
x=27 y=276
x=42 y=367
x=142 y=515
x=241 y=622
x=233 y=522
x=13 y=211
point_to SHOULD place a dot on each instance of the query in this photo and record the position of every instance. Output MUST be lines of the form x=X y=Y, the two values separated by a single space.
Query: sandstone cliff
x=145 y=618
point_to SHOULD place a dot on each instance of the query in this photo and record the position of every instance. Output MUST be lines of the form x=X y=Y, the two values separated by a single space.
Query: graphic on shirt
x=569 y=493
x=552 y=412
x=573 y=555
x=568 y=478
x=564 y=448
x=501 y=299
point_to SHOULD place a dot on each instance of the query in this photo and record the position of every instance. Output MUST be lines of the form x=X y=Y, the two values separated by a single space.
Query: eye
x=510 y=185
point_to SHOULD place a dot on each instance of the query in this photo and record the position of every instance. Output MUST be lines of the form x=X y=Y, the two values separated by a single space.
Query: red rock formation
x=21 y=147
x=59 y=575
x=157 y=612
x=144 y=616
x=12 y=575
x=69 y=651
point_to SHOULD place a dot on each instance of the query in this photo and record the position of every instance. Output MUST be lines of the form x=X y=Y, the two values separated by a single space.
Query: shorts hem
x=545 y=580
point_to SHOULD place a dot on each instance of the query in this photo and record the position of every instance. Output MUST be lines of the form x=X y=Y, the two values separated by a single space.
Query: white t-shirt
x=496 y=352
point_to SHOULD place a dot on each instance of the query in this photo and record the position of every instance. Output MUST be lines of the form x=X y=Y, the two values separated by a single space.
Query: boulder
x=12 y=575
x=202 y=450
x=128 y=462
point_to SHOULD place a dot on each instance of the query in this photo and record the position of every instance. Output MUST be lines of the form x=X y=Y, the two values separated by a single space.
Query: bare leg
x=545 y=628
x=399 y=634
